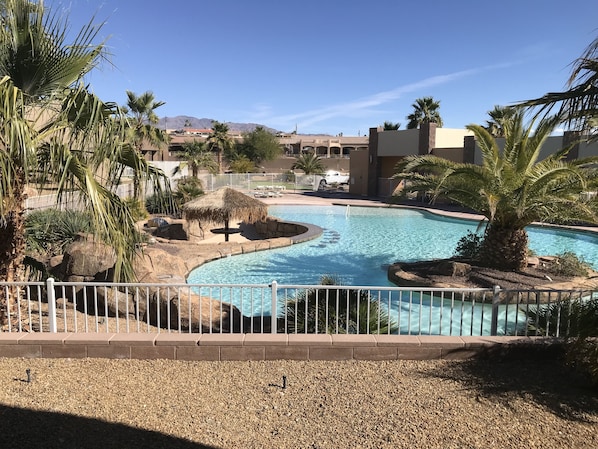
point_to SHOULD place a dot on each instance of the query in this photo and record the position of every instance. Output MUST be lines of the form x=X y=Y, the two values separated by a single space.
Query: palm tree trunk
x=219 y=154
x=12 y=246
x=504 y=248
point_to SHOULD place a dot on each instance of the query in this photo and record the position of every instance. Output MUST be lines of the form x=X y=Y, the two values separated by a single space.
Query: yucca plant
x=336 y=310
x=49 y=231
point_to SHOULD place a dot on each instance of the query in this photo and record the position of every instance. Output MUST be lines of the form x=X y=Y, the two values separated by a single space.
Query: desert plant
x=569 y=264
x=577 y=321
x=48 y=232
x=137 y=208
x=187 y=188
x=162 y=204
x=336 y=310
x=468 y=246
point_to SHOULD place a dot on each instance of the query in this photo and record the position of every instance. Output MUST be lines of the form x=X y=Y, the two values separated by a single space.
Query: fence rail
x=53 y=306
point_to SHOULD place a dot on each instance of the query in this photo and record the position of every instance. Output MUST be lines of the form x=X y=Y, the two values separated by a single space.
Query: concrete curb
x=228 y=347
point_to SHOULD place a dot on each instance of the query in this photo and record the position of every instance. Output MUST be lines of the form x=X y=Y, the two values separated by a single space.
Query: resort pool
x=358 y=244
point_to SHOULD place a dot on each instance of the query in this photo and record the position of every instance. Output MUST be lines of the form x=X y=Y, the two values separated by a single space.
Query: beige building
x=372 y=169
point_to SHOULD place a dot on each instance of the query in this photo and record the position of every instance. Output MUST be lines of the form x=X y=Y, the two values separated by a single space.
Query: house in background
x=372 y=169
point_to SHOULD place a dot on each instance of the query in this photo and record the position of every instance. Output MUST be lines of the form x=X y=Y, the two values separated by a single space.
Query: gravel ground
x=97 y=403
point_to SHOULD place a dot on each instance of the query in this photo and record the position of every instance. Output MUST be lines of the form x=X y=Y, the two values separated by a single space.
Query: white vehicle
x=335 y=177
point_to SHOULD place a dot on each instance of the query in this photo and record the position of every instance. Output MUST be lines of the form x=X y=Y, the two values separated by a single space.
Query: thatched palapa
x=223 y=205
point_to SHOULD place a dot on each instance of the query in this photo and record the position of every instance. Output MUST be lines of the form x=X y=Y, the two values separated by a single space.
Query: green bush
x=569 y=264
x=137 y=209
x=187 y=188
x=163 y=204
x=49 y=231
x=341 y=310
x=469 y=245
x=575 y=320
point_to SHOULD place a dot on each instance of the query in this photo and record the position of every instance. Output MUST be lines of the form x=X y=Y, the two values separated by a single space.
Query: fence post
x=274 y=313
x=494 y=318
x=51 y=304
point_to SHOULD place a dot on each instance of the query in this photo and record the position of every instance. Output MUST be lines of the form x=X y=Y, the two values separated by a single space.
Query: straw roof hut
x=223 y=205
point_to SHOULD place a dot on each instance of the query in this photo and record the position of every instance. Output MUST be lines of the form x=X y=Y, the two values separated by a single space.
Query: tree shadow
x=536 y=372
x=31 y=428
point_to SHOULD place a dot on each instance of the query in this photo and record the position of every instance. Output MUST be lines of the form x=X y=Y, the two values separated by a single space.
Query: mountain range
x=185 y=121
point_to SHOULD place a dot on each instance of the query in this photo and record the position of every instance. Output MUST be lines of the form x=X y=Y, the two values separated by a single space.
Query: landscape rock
x=87 y=259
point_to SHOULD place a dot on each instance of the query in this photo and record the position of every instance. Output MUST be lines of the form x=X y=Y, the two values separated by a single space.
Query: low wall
x=273 y=228
x=228 y=347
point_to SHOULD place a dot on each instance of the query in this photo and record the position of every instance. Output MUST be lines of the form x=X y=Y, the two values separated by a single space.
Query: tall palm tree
x=310 y=163
x=54 y=131
x=196 y=156
x=498 y=116
x=142 y=118
x=220 y=141
x=512 y=188
x=578 y=105
x=425 y=110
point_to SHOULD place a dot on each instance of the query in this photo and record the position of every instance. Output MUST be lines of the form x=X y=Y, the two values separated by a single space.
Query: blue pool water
x=359 y=243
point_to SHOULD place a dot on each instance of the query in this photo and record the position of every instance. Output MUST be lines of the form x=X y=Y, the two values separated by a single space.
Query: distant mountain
x=179 y=122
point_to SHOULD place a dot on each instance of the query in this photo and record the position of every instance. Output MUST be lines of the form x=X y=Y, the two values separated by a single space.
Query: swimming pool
x=358 y=244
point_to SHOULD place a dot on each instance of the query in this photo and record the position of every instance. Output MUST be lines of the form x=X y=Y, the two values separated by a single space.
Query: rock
x=157 y=222
x=154 y=264
x=173 y=231
x=453 y=268
x=88 y=259
x=169 y=308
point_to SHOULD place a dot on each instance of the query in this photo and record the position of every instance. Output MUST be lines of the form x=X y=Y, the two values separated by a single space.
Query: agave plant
x=336 y=311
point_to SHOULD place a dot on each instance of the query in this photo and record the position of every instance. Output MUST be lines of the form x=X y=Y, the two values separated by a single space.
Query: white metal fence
x=53 y=306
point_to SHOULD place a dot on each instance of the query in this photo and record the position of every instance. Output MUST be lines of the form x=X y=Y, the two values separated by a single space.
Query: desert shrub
x=469 y=245
x=577 y=321
x=49 y=231
x=569 y=264
x=137 y=208
x=187 y=188
x=162 y=204
x=288 y=176
x=342 y=310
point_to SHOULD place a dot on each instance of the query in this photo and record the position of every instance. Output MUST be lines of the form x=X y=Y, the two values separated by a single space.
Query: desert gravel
x=98 y=403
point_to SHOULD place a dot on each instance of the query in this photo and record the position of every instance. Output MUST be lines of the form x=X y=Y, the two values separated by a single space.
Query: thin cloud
x=366 y=105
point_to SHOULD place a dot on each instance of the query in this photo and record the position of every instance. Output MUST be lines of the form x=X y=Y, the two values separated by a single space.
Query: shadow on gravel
x=537 y=373
x=48 y=430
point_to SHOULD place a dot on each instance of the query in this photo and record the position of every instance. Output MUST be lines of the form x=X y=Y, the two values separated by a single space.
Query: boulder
x=171 y=308
x=154 y=265
x=88 y=260
x=453 y=268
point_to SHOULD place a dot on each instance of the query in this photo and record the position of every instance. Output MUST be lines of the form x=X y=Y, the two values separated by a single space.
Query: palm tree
x=498 y=116
x=310 y=163
x=196 y=156
x=579 y=104
x=142 y=120
x=425 y=110
x=54 y=131
x=220 y=141
x=390 y=126
x=512 y=188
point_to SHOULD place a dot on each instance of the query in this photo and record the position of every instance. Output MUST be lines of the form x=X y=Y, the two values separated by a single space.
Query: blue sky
x=332 y=66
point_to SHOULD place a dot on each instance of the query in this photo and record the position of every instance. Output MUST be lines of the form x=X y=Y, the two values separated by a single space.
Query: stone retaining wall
x=273 y=228
x=227 y=347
